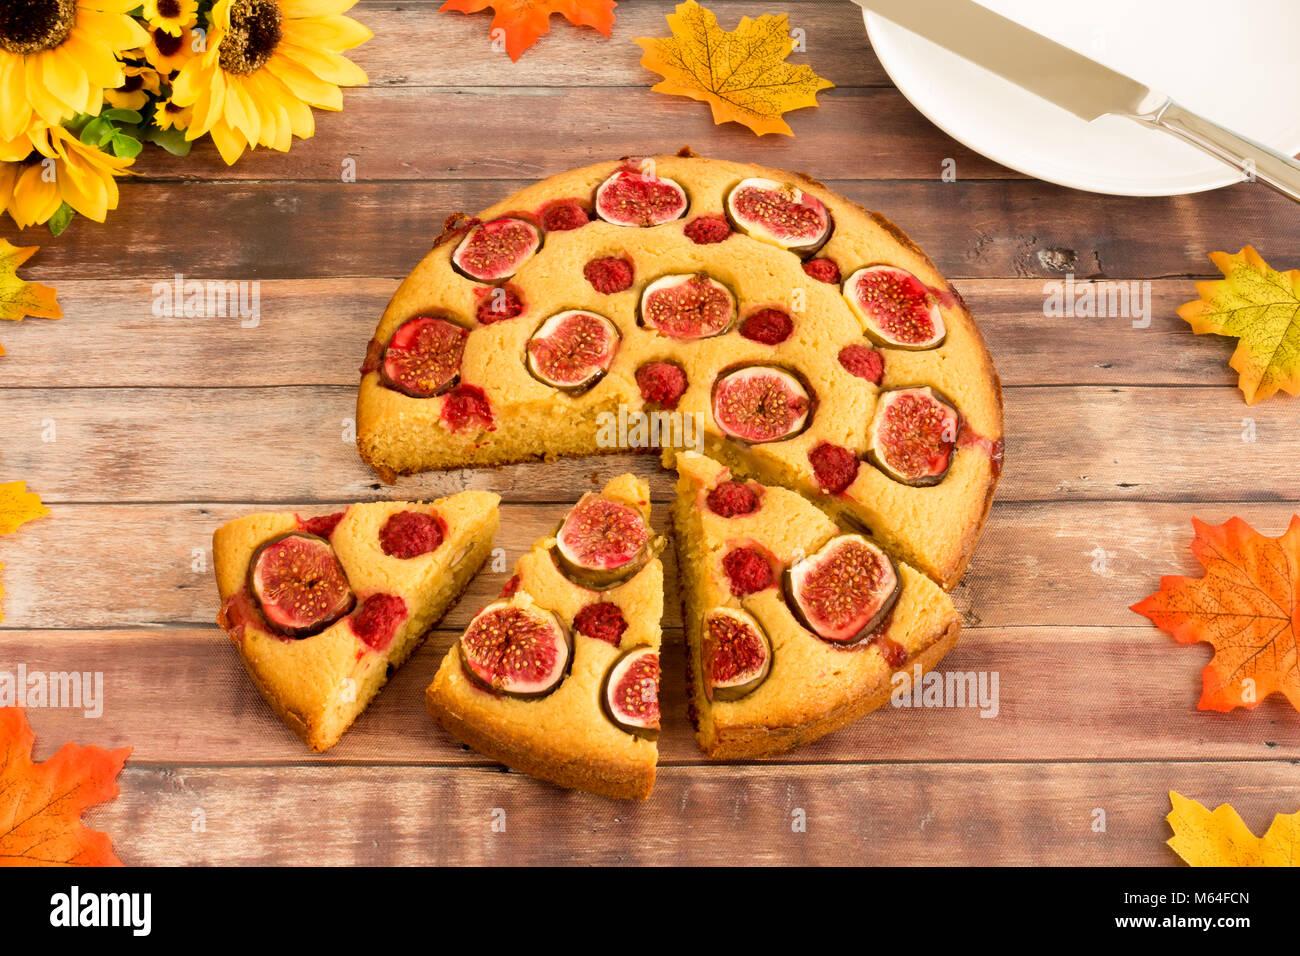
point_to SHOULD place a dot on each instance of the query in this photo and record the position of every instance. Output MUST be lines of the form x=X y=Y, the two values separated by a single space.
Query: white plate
x=1237 y=63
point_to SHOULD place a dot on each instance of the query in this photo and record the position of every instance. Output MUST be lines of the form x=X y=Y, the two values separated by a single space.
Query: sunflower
x=48 y=167
x=134 y=92
x=170 y=116
x=167 y=53
x=58 y=56
x=171 y=16
x=267 y=63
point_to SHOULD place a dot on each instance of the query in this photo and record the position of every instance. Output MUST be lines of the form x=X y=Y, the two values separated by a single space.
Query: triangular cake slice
x=794 y=625
x=559 y=678
x=322 y=610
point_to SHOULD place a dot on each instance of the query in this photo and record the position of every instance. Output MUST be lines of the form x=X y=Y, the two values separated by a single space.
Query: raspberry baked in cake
x=818 y=347
x=559 y=678
x=323 y=609
x=794 y=625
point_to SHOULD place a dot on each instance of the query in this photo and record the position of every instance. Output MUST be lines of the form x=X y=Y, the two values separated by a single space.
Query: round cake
x=760 y=318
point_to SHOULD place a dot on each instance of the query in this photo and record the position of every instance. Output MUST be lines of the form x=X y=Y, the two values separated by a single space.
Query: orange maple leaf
x=41 y=803
x=523 y=21
x=1245 y=606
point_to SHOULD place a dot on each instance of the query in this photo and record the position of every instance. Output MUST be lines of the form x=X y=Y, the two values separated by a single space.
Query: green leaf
x=120 y=115
x=128 y=147
x=61 y=219
x=173 y=140
x=97 y=132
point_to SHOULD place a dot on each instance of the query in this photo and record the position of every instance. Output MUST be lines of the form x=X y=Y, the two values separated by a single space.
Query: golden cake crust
x=564 y=737
x=934 y=528
x=813 y=687
x=320 y=684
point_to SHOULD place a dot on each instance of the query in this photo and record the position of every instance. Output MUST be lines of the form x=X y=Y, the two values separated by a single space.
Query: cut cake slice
x=323 y=610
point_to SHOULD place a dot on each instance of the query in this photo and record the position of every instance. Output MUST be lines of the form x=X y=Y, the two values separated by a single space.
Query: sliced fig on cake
x=602 y=542
x=913 y=435
x=572 y=350
x=843 y=592
x=298 y=583
x=781 y=214
x=635 y=198
x=735 y=654
x=630 y=695
x=516 y=649
x=897 y=309
x=492 y=251
x=761 y=403
x=423 y=357
x=687 y=307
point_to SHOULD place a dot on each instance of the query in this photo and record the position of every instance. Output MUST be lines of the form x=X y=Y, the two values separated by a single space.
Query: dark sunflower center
x=166 y=43
x=170 y=9
x=131 y=84
x=255 y=31
x=32 y=26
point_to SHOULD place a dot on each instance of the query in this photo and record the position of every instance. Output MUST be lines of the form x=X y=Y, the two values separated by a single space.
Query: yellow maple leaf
x=742 y=74
x=18 y=297
x=1221 y=838
x=17 y=507
x=1260 y=307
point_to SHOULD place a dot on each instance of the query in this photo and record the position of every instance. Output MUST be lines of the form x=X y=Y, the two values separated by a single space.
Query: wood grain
x=1033 y=814
x=972 y=229
x=107 y=336
x=414 y=45
x=1140 y=703
x=145 y=433
x=121 y=565
x=294 y=443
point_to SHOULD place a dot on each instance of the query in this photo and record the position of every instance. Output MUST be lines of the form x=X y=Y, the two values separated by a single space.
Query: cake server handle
x=1255 y=160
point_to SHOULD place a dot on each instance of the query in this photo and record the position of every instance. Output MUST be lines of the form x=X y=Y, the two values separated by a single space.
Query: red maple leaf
x=523 y=21
x=1245 y=606
x=41 y=803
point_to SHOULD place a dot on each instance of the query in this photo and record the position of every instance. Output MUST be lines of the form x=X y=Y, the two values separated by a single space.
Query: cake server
x=1076 y=83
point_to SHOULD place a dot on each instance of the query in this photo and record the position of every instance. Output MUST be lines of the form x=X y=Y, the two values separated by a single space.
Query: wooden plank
x=295 y=444
x=111 y=338
x=985 y=228
x=414 y=45
x=531 y=137
x=919 y=814
x=1140 y=702
x=118 y=566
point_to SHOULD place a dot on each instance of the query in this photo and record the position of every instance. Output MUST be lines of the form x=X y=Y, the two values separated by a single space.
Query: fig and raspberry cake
x=323 y=609
x=794 y=625
x=818 y=347
x=559 y=678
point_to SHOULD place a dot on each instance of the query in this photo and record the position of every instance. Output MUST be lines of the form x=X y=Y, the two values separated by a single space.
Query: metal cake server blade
x=1077 y=83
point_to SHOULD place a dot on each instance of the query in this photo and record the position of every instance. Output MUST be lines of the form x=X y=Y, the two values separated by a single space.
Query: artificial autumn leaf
x=523 y=21
x=18 y=297
x=1260 y=308
x=17 y=507
x=1221 y=838
x=742 y=74
x=41 y=803
x=1245 y=606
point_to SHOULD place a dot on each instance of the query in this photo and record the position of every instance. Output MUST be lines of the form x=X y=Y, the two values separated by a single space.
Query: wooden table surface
x=164 y=428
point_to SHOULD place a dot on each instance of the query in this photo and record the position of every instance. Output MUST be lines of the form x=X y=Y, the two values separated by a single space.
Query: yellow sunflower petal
x=100 y=65
x=330 y=67
x=229 y=144
x=305 y=84
x=328 y=33
x=8 y=176
x=35 y=199
x=314 y=8
x=114 y=29
x=66 y=79
x=15 y=113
